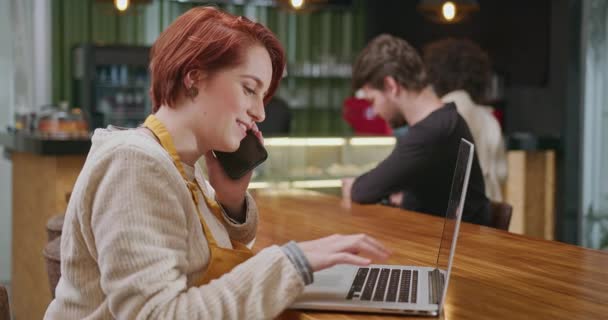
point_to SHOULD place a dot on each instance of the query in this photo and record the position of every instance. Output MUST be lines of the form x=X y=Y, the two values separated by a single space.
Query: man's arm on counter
x=400 y=169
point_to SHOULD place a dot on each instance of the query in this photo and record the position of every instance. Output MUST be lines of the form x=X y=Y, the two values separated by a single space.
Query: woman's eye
x=249 y=91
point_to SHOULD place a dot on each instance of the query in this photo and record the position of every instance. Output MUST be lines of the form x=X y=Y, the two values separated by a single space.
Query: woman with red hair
x=146 y=236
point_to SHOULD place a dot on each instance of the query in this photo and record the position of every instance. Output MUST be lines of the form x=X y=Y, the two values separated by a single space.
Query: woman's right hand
x=343 y=249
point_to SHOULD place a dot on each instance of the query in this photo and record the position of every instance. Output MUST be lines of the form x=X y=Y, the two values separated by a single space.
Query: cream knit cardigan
x=489 y=143
x=132 y=244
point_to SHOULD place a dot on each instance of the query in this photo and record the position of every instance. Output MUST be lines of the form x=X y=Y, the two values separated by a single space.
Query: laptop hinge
x=435 y=286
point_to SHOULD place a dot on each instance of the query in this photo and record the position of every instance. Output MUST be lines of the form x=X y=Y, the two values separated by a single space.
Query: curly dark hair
x=387 y=55
x=458 y=64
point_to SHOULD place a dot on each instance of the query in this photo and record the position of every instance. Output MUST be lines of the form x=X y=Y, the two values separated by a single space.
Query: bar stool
x=54 y=226
x=52 y=257
x=52 y=250
x=500 y=215
x=5 y=310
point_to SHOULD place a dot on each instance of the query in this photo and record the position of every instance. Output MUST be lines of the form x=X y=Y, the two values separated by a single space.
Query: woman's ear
x=192 y=78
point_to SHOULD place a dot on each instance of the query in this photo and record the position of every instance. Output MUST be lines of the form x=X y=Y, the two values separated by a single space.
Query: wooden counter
x=496 y=275
x=44 y=170
x=40 y=184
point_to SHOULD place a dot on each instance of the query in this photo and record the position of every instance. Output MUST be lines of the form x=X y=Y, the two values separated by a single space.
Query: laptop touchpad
x=332 y=281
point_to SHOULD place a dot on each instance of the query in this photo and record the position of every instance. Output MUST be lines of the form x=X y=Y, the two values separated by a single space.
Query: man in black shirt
x=392 y=75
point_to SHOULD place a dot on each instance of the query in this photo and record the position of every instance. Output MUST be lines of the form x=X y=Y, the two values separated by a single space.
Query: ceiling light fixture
x=296 y=4
x=121 y=5
x=442 y=11
x=448 y=10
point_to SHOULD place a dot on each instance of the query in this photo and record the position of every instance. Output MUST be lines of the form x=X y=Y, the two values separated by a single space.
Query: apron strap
x=221 y=260
x=161 y=133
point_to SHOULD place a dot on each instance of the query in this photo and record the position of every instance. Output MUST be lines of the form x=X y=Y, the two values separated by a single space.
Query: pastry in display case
x=319 y=163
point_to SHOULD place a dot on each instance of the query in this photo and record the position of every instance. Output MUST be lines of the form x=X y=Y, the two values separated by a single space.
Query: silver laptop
x=408 y=290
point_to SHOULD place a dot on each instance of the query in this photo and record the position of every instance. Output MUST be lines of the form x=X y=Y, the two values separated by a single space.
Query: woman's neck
x=188 y=148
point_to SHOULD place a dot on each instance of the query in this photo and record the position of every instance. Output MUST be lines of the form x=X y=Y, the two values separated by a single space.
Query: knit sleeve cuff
x=298 y=259
x=248 y=212
x=243 y=231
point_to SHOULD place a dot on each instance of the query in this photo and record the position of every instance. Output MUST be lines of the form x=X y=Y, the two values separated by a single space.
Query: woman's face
x=231 y=101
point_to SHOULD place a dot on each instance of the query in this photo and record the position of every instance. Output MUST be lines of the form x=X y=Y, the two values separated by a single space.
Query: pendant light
x=448 y=11
x=122 y=6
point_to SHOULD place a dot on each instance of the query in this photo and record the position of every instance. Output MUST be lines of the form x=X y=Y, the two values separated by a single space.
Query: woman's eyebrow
x=259 y=82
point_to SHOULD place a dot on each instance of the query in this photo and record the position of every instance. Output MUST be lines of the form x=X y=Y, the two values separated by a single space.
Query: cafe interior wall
x=552 y=108
x=326 y=40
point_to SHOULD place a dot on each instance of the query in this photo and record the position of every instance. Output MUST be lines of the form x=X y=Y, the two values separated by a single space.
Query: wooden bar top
x=495 y=275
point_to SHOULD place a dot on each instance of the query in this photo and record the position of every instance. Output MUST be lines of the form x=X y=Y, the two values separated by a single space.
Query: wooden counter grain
x=40 y=184
x=496 y=275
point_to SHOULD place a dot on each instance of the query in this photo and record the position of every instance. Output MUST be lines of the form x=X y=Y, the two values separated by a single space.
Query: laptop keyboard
x=383 y=284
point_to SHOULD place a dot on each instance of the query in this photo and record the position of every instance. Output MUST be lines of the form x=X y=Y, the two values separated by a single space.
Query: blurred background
x=70 y=66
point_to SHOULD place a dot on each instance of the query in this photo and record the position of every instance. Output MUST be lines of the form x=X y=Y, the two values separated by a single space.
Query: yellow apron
x=222 y=260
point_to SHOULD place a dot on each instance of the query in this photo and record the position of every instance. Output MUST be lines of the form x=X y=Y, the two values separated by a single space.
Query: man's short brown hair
x=387 y=55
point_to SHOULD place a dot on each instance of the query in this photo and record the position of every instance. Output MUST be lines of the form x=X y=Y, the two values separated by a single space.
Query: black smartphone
x=249 y=155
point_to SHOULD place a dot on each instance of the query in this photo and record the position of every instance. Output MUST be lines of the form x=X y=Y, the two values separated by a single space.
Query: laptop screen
x=460 y=183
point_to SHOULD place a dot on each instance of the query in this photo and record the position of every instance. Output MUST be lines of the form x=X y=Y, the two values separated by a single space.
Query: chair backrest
x=500 y=215
x=52 y=257
x=5 y=310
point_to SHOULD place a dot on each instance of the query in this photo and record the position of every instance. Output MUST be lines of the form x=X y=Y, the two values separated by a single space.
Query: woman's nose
x=257 y=112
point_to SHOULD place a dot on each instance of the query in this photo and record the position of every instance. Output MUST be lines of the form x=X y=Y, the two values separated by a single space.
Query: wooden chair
x=500 y=215
x=52 y=250
x=52 y=257
x=55 y=224
x=5 y=310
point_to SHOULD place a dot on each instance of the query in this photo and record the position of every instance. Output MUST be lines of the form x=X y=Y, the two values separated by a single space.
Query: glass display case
x=318 y=163
x=111 y=84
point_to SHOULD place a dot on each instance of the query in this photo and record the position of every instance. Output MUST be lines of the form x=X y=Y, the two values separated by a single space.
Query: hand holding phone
x=249 y=155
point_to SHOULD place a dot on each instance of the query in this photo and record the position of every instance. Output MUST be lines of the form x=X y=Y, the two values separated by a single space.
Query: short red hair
x=206 y=39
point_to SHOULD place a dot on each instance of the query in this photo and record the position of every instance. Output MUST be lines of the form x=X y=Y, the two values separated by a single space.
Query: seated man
x=393 y=77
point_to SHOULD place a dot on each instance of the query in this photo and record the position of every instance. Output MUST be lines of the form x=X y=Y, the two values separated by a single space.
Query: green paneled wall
x=91 y=21
x=319 y=39
x=83 y=21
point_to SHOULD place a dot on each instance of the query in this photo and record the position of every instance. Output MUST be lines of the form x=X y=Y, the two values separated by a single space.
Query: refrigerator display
x=111 y=84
